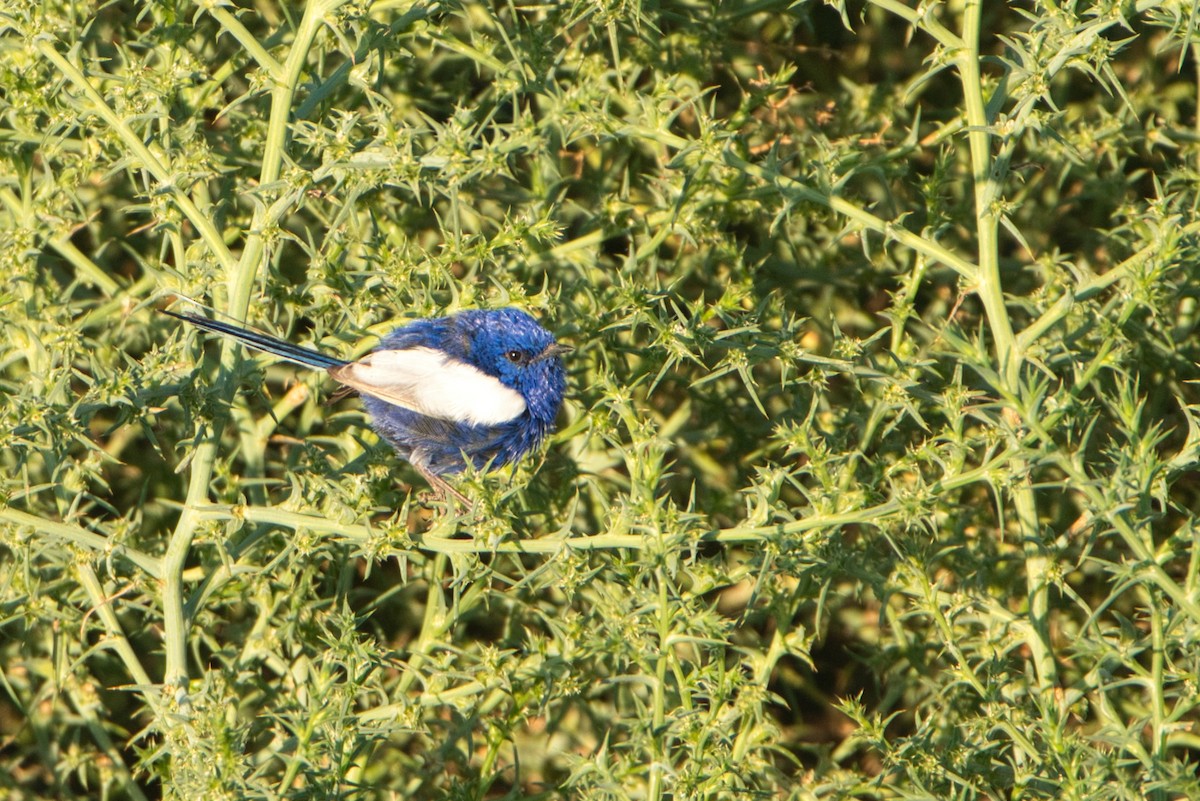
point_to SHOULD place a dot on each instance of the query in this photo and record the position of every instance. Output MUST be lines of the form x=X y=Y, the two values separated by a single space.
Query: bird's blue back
x=484 y=339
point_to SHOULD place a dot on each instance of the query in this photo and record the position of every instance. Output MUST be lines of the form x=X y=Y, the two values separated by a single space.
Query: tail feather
x=263 y=342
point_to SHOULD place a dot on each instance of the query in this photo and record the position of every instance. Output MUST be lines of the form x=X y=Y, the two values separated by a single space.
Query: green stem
x=1009 y=357
x=775 y=651
x=240 y=281
x=987 y=276
x=156 y=165
x=431 y=698
x=247 y=40
x=1142 y=548
x=85 y=268
x=1158 y=704
x=793 y=188
x=658 y=712
x=103 y=608
x=266 y=216
x=873 y=515
x=923 y=20
x=433 y=624
x=87 y=708
x=84 y=538
x=175 y=624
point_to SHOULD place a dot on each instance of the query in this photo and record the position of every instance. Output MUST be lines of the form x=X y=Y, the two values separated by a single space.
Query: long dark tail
x=267 y=344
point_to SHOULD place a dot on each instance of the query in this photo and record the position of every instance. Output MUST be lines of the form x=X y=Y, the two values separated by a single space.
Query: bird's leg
x=442 y=488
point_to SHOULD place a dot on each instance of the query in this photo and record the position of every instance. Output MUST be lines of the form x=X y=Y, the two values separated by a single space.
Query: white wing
x=434 y=384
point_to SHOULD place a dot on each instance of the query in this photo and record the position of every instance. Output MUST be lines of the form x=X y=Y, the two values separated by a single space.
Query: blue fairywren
x=480 y=386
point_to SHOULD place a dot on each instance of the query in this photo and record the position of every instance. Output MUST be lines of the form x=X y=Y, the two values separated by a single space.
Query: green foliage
x=877 y=474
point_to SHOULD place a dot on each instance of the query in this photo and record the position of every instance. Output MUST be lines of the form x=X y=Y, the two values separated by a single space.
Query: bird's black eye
x=516 y=357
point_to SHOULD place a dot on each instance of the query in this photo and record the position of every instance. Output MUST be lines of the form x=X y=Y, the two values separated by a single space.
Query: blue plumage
x=480 y=387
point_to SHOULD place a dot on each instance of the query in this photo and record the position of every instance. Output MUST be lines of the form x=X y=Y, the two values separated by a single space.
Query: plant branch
x=81 y=537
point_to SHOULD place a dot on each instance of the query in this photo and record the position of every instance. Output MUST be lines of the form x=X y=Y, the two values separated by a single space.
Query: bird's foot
x=443 y=491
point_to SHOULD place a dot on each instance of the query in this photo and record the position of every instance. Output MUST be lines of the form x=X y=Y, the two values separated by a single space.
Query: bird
x=481 y=387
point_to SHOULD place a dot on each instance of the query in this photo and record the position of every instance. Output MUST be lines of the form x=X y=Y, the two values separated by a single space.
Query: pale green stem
x=990 y=290
x=793 y=188
x=247 y=40
x=160 y=170
x=447 y=545
x=987 y=277
x=240 y=282
x=904 y=305
x=775 y=651
x=433 y=624
x=104 y=611
x=949 y=637
x=1141 y=548
x=85 y=268
x=736 y=534
x=898 y=233
x=925 y=21
x=428 y=699
x=658 y=712
x=86 y=707
x=82 y=537
x=1158 y=704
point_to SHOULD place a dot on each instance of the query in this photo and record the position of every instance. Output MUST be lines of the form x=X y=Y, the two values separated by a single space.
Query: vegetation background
x=877 y=475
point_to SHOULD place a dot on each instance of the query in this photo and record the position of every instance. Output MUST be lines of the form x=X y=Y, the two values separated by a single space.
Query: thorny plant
x=876 y=479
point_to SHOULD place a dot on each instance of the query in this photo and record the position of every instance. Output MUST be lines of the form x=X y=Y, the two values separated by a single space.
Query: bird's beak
x=554 y=349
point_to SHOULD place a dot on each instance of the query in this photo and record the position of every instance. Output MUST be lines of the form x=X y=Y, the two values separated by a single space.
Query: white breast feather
x=434 y=384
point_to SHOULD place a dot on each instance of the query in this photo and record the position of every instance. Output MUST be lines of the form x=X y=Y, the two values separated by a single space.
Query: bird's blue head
x=509 y=345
